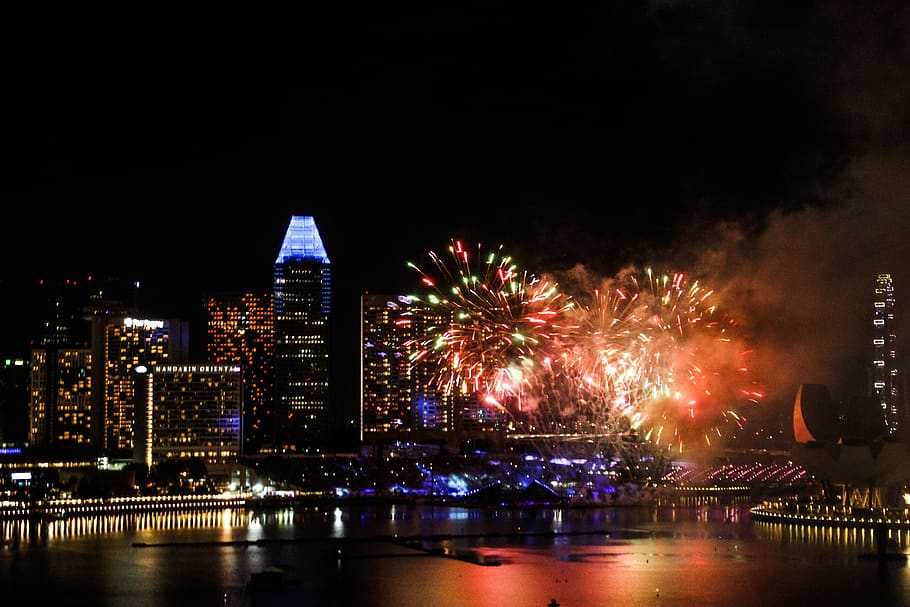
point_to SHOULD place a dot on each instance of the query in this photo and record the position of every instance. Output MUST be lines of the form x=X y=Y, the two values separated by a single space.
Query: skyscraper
x=75 y=312
x=241 y=331
x=884 y=372
x=387 y=384
x=431 y=407
x=14 y=398
x=130 y=343
x=68 y=306
x=61 y=406
x=62 y=319
x=61 y=391
x=302 y=292
x=188 y=411
x=396 y=393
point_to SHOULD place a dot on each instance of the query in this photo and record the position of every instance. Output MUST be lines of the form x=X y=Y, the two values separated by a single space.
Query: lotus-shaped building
x=866 y=468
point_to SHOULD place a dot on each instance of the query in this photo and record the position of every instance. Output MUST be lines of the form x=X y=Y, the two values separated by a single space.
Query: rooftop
x=302 y=241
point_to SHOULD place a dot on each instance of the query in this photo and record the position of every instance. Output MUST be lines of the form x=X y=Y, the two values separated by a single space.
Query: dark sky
x=174 y=151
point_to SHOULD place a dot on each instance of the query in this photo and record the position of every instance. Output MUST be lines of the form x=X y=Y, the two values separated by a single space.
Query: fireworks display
x=647 y=352
x=667 y=357
x=488 y=316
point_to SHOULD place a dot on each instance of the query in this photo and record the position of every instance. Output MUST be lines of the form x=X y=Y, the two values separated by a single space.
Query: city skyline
x=347 y=413
x=474 y=304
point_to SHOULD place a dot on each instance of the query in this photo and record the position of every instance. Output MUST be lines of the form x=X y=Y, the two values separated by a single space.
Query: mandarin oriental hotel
x=188 y=411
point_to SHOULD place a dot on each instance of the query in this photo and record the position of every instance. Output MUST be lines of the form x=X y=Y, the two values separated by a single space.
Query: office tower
x=74 y=314
x=40 y=383
x=431 y=407
x=68 y=305
x=188 y=411
x=14 y=398
x=63 y=323
x=61 y=398
x=241 y=331
x=397 y=394
x=387 y=386
x=884 y=372
x=130 y=343
x=302 y=295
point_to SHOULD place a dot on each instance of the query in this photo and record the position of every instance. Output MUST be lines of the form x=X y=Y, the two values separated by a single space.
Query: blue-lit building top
x=303 y=300
x=302 y=241
x=302 y=247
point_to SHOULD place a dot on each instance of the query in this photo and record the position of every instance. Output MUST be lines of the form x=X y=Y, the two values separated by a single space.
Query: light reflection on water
x=707 y=553
x=860 y=539
x=341 y=522
x=12 y=533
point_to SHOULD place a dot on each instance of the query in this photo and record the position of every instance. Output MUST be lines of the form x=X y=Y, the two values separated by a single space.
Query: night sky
x=609 y=135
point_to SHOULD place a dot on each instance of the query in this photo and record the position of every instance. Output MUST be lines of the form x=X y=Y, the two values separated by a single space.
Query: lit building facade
x=431 y=408
x=302 y=300
x=387 y=386
x=130 y=343
x=474 y=416
x=241 y=331
x=188 y=411
x=61 y=407
x=39 y=399
x=884 y=374
x=396 y=394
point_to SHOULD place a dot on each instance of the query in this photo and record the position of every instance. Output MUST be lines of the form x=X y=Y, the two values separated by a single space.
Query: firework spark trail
x=491 y=316
x=648 y=352
x=663 y=353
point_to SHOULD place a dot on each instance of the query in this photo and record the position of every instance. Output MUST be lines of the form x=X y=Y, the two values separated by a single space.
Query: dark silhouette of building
x=14 y=374
x=863 y=420
x=813 y=415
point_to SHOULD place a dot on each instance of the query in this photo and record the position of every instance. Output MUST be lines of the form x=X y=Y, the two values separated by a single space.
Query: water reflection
x=709 y=553
x=847 y=539
x=16 y=532
x=394 y=519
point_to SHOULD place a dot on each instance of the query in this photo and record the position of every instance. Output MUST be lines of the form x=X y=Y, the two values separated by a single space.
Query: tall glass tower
x=302 y=291
x=884 y=373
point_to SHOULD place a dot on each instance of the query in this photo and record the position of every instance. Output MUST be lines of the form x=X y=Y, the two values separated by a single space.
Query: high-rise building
x=397 y=394
x=188 y=411
x=69 y=304
x=61 y=398
x=63 y=323
x=431 y=407
x=302 y=292
x=884 y=373
x=241 y=331
x=14 y=399
x=65 y=408
x=39 y=402
x=130 y=343
x=387 y=386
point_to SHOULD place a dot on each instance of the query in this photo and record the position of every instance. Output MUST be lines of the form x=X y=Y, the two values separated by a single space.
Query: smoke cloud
x=802 y=281
x=804 y=284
